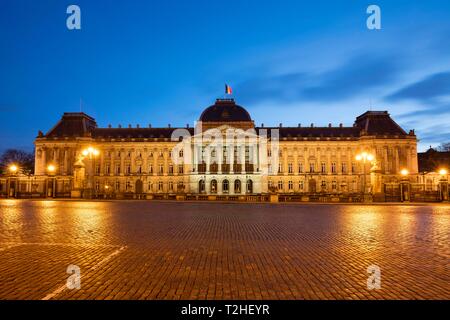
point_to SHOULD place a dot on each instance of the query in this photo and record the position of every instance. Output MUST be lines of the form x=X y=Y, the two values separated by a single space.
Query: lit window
x=280 y=185
x=333 y=167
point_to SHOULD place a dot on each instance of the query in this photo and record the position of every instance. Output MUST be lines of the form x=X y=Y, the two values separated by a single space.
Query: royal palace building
x=224 y=156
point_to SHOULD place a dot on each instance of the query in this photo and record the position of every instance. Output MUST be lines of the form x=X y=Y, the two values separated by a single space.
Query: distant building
x=433 y=160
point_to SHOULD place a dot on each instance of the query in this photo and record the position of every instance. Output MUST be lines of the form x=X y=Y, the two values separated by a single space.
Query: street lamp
x=51 y=170
x=404 y=196
x=443 y=184
x=13 y=170
x=364 y=157
x=90 y=152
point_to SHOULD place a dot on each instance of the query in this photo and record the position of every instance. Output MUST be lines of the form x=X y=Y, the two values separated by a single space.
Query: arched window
x=213 y=186
x=237 y=186
x=225 y=186
x=249 y=186
x=201 y=186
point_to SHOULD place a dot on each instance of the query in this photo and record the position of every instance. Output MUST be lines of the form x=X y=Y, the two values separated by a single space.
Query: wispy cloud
x=434 y=86
x=354 y=77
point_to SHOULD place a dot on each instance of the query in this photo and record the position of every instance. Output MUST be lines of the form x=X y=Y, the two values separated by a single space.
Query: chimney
x=149 y=125
x=187 y=125
x=120 y=126
x=168 y=125
x=129 y=126
x=312 y=125
x=281 y=125
x=340 y=125
x=109 y=125
x=262 y=125
x=299 y=125
x=137 y=126
x=329 y=125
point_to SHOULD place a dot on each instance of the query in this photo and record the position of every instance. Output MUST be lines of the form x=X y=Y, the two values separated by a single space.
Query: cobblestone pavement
x=172 y=250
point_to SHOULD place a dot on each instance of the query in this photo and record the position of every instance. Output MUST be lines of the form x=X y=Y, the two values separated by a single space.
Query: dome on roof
x=225 y=110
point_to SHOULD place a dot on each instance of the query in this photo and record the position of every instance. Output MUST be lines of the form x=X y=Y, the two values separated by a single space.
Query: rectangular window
x=323 y=167
x=128 y=169
x=161 y=169
x=333 y=167
x=290 y=185
x=118 y=169
x=180 y=168
x=300 y=167
x=312 y=167
x=280 y=168
x=170 y=169
x=290 y=168
x=107 y=169
x=301 y=185
x=150 y=169
x=280 y=185
x=344 y=167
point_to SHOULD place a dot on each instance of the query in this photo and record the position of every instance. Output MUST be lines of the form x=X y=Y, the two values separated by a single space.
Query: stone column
x=65 y=166
x=219 y=151
x=122 y=162
x=242 y=157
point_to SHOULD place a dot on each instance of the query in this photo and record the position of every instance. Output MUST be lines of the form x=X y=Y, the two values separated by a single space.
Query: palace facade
x=224 y=155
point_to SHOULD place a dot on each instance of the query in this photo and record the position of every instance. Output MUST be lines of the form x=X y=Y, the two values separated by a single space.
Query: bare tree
x=24 y=160
x=444 y=146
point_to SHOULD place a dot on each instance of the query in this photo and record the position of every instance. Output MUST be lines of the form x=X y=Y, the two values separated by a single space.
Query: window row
x=313 y=168
x=138 y=169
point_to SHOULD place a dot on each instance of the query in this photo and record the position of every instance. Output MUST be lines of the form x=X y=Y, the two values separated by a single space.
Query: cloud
x=436 y=110
x=355 y=77
x=432 y=87
x=352 y=78
x=282 y=87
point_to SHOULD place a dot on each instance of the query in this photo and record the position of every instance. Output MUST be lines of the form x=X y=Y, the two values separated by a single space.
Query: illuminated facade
x=225 y=154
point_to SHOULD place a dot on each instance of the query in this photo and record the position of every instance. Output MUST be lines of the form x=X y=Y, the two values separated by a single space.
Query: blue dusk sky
x=164 y=61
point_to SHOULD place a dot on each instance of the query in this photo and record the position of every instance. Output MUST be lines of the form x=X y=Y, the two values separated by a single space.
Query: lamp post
x=90 y=153
x=443 y=183
x=51 y=170
x=12 y=170
x=404 y=186
x=364 y=157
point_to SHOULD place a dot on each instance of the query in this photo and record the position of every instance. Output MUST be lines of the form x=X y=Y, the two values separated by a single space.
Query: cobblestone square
x=201 y=250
